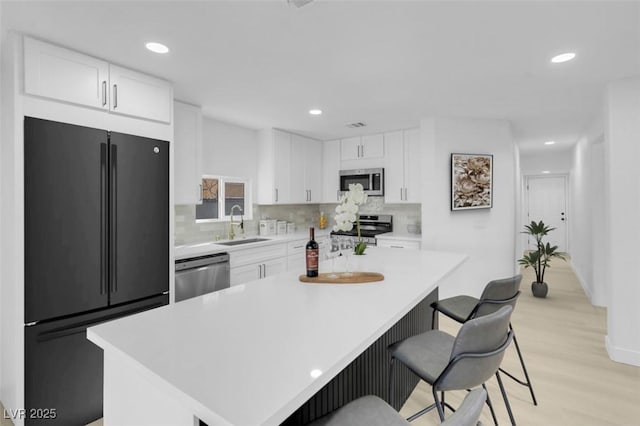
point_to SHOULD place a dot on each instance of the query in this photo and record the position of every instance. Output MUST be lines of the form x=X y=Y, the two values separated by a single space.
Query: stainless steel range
x=370 y=226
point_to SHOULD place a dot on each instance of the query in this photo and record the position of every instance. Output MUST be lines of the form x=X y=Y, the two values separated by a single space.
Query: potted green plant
x=539 y=259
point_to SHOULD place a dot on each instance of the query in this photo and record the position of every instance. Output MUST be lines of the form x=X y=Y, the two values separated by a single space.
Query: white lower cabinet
x=402 y=244
x=259 y=262
x=257 y=271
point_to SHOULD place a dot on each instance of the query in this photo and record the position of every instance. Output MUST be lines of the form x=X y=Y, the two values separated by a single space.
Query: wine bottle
x=312 y=254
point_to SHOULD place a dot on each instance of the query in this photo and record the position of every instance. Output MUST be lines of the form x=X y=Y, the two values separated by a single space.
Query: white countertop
x=405 y=236
x=183 y=251
x=247 y=355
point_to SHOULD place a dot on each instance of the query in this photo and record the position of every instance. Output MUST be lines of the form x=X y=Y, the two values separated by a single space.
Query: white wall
x=553 y=161
x=487 y=235
x=622 y=212
x=1 y=138
x=229 y=150
x=586 y=229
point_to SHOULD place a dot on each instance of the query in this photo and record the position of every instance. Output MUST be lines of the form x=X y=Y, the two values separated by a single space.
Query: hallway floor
x=562 y=340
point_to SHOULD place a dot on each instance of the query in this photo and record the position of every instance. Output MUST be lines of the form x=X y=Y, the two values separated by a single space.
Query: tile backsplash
x=303 y=215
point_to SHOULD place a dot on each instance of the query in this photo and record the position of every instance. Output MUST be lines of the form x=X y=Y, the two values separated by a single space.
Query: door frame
x=525 y=212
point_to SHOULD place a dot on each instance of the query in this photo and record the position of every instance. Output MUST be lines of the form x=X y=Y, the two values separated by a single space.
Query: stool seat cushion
x=458 y=307
x=426 y=354
x=365 y=411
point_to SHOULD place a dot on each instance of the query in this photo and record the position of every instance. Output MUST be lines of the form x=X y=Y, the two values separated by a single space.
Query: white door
x=547 y=202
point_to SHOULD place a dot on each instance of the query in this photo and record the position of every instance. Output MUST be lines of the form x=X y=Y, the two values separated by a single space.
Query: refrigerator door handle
x=104 y=247
x=113 y=240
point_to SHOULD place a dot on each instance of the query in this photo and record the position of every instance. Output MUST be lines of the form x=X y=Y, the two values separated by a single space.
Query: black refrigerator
x=96 y=248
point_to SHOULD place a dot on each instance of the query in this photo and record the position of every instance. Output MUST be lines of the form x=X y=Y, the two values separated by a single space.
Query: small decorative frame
x=471 y=181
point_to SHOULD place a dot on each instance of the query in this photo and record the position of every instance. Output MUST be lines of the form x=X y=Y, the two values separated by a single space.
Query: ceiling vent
x=356 y=124
x=299 y=3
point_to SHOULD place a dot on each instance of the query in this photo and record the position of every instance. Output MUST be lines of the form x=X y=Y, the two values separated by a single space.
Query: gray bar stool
x=373 y=411
x=462 y=362
x=495 y=294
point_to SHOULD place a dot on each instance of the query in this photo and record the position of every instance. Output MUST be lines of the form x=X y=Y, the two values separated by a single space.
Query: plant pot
x=539 y=289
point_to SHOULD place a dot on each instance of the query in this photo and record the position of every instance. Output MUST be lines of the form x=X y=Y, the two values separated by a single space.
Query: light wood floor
x=562 y=339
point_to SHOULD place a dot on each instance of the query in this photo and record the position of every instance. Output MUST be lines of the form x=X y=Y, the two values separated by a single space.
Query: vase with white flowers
x=347 y=214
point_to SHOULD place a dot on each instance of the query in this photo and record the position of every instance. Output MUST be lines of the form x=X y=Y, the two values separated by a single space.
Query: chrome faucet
x=232 y=233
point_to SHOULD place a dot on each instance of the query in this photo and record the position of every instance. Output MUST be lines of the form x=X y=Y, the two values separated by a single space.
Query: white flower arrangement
x=347 y=213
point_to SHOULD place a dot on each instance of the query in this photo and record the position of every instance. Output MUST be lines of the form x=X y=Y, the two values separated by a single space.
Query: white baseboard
x=582 y=282
x=622 y=355
x=586 y=288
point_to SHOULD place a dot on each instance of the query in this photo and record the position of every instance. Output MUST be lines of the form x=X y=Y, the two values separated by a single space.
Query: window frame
x=247 y=214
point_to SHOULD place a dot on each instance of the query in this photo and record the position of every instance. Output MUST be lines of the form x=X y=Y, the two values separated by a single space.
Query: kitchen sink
x=245 y=241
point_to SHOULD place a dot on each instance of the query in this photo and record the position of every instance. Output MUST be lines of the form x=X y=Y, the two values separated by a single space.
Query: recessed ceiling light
x=315 y=373
x=546 y=172
x=563 y=57
x=550 y=142
x=157 y=47
x=315 y=111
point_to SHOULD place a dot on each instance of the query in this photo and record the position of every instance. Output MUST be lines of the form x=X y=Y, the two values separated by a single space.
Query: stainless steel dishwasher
x=200 y=275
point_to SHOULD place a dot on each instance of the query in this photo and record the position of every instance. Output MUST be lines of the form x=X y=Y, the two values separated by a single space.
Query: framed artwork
x=471 y=181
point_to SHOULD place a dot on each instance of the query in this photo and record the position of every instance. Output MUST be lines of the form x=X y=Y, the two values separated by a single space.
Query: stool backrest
x=477 y=351
x=496 y=294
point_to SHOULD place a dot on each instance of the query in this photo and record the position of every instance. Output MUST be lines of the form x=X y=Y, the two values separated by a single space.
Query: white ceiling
x=387 y=63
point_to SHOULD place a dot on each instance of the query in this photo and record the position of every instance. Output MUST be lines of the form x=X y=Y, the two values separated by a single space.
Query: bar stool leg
x=493 y=413
x=526 y=383
x=506 y=400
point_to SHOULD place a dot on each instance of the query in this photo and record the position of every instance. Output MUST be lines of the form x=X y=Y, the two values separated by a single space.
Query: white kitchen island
x=253 y=354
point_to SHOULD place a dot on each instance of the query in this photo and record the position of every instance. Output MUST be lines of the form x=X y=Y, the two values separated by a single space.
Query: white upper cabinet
x=313 y=170
x=187 y=150
x=139 y=95
x=402 y=166
x=306 y=170
x=362 y=148
x=394 y=167
x=330 y=171
x=274 y=162
x=62 y=74
x=57 y=73
x=289 y=169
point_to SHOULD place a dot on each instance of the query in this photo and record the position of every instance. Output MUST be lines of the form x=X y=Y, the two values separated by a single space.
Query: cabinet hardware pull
x=396 y=246
x=276 y=195
x=201 y=195
x=264 y=268
x=400 y=194
x=115 y=96
x=362 y=151
x=104 y=93
x=405 y=194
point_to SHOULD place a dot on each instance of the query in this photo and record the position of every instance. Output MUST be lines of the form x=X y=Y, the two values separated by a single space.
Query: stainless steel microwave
x=372 y=180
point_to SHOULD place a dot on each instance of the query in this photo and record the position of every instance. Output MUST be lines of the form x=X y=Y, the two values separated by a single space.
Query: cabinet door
x=372 y=146
x=274 y=267
x=394 y=186
x=412 y=178
x=139 y=95
x=350 y=148
x=298 y=189
x=313 y=170
x=187 y=148
x=282 y=163
x=330 y=171
x=246 y=273
x=58 y=73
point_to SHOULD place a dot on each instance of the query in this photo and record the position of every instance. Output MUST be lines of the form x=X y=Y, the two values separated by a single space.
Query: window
x=220 y=194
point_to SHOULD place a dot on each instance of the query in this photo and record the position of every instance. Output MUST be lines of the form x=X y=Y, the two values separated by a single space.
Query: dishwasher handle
x=197 y=262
